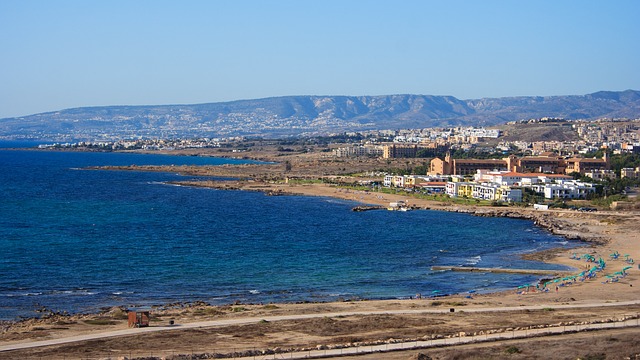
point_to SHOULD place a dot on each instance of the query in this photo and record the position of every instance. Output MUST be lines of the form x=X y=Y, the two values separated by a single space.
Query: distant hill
x=311 y=115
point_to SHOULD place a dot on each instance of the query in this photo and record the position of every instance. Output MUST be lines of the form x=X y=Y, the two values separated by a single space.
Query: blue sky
x=62 y=54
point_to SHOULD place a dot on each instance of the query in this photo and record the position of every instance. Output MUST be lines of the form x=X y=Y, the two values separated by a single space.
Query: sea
x=80 y=241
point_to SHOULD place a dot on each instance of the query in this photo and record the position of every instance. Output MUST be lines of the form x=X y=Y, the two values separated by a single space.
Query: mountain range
x=310 y=115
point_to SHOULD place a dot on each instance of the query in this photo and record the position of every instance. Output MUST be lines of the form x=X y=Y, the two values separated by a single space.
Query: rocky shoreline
x=547 y=221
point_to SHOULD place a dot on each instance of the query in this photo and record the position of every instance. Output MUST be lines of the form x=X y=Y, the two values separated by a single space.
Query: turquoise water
x=79 y=240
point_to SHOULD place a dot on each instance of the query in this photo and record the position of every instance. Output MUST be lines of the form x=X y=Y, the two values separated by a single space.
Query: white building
x=388 y=180
x=511 y=178
x=485 y=191
x=568 y=190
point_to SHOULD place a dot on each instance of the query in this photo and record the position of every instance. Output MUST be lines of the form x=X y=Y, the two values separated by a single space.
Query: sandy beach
x=286 y=327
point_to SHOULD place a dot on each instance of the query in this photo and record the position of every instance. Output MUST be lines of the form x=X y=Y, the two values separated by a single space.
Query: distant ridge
x=311 y=115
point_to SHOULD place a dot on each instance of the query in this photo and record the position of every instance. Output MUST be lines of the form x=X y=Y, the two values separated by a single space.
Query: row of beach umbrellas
x=587 y=274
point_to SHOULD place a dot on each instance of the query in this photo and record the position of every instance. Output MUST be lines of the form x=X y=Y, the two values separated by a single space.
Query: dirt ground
x=615 y=344
x=608 y=232
x=355 y=329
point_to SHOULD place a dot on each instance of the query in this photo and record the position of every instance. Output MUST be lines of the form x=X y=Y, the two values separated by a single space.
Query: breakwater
x=501 y=270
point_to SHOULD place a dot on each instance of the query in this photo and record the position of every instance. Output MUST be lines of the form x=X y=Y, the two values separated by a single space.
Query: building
x=438 y=166
x=484 y=191
x=437 y=187
x=459 y=189
x=601 y=174
x=399 y=151
x=403 y=181
x=570 y=189
x=450 y=166
x=511 y=178
x=508 y=194
x=387 y=181
x=630 y=148
x=585 y=165
x=630 y=173
x=356 y=151
x=545 y=163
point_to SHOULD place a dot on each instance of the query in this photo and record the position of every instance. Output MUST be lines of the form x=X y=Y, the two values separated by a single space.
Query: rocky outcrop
x=549 y=221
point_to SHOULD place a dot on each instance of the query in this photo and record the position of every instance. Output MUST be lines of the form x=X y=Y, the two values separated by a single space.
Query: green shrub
x=100 y=322
x=512 y=350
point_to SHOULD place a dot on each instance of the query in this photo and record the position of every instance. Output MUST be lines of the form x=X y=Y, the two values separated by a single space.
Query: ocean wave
x=473 y=260
x=75 y=292
x=254 y=292
x=122 y=293
x=23 y=294
x=161 y=183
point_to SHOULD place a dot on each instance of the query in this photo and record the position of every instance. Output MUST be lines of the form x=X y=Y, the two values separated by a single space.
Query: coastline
x=603 y=232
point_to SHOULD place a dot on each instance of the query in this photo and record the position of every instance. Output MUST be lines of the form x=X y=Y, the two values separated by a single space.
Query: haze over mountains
x=310 y=115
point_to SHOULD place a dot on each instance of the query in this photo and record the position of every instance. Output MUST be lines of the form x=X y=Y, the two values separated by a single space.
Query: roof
x=586 y=160
x=434 y=183
x=531 y=175
x=476 y=161
x=540 y=159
